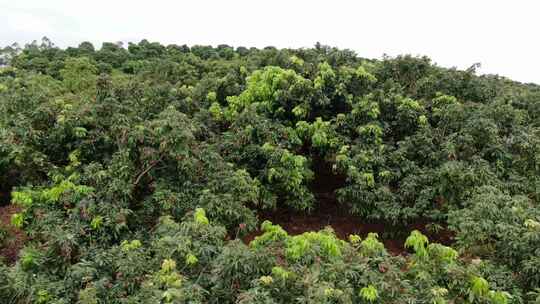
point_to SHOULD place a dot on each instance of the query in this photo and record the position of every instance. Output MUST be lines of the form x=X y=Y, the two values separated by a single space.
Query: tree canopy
x=138 y=170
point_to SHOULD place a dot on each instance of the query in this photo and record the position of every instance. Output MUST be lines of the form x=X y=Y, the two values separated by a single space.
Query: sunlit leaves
x=22 y=198
x=271 y=233
x=320 y=134
x=130 y=245
x=369 y=293
x=200 y=217
x=363 y=74
x=191 y=259
x=418 y=242
x=302 y=246
x=18 y=220
x=289 y=173
x=273 y=90
x=96 y=222
x=479 y=288
x=371 y=246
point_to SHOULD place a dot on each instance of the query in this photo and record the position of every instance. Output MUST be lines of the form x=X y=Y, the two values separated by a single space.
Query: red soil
x=330 y=212
x=16 y=238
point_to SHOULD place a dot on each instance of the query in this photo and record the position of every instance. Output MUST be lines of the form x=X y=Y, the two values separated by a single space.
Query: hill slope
x=139 y=170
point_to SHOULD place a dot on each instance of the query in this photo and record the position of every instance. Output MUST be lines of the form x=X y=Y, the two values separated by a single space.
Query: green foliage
x=320 y=134
x=88 y=295
x=191 y=259
x=79 y=74
x=96 y=222
x=130 y=245
x=200 y=217
x=137 y=171
x=274 y=91
x=371 y=246
x=418 y=242
x=271 y=233
x=21 y=198
x=17 y=220
x=369 y=293
x=307 y=245
x=500 y=226
x=288 y=174
x=479 y=288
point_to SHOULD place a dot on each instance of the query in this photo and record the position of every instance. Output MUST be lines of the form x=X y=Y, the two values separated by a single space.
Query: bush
x=138 y=170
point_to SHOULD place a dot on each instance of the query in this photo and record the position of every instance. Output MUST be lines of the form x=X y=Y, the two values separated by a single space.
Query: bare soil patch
x=16 y=238
x=329 y=212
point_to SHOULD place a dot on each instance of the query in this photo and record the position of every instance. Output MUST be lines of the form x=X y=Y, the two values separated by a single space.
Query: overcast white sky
x=502 y=35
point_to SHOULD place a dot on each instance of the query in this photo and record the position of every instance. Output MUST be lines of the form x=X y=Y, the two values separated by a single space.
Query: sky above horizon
x=500 y=35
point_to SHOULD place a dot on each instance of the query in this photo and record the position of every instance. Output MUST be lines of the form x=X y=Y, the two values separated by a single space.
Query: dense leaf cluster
x=138 y=168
